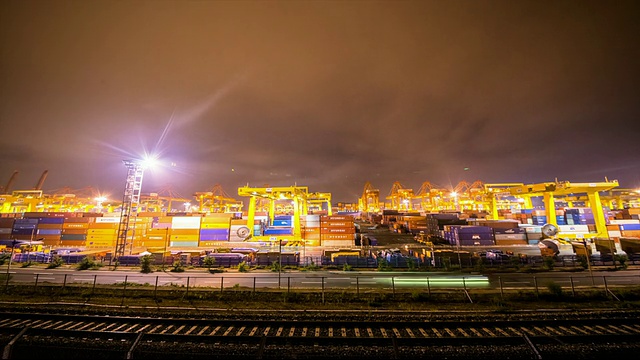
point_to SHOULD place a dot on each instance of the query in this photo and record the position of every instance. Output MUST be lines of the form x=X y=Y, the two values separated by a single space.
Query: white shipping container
x=573 y=228
x=185 y=222
x=108 y=219
x=625 y=221
x=614 y=233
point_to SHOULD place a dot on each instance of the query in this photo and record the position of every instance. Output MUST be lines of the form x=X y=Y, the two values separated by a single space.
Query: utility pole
x=279 y=261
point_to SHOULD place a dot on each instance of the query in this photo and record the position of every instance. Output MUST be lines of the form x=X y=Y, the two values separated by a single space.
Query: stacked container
x=185 y=231
x=311 y=229
x=6 y=228
x=50 y=230
x=337 y=230
x=214 y=228
x=74 y=231
x=468 y=235
x=103 y=232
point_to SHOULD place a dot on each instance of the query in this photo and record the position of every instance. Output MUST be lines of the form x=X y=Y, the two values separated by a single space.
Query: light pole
x=13 y=247
x=166 y=240
x=279 y=261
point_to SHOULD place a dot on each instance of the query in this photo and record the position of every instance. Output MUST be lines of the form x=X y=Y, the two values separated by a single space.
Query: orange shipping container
x=102 y=231
x=74 y=231
x=336 y=218
x=336 y=236
x=336 y=224
x=185 y=237
x=75 y=225
x=49 y=226
x=72 y=242
x=103 y=226
x=337 y=230
x=224 y=225
x=181 y=232
x=75 y=220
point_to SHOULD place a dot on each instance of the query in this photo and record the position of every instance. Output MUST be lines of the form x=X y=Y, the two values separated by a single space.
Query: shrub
x=311 y=266
x=86 y=263
x=383 y=265
x=583 y=261
x=145 y=264
x=177 y=266
x=4 y=258
x=347 y=267
x=26 y=264
x=209 y=261
x=242 y=267
x=411 y=263
x=555 y=289
x=275 y=266
x=622 y=259
x=549 y=262
x=56 y=261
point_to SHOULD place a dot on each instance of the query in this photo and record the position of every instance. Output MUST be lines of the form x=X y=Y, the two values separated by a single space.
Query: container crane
x=217 y=201
x=400 y=197
x=429 y=195
x=370 y=199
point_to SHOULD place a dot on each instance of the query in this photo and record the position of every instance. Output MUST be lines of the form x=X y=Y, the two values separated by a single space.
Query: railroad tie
x=396 y=332
x=154 y=329
x=253 y=331
x=488 y=331
x=370 y=332
x=43 y=324
x=633 y=330
x=568 y=331
x=343 y=331
x=279 y=332
x=423 y=332
x=52 y=324
x=476 y=332
x=592 y=331
x=166 y=329
x=579 y=330
x=240 y=331
x=214 y=331
x=330 y=331
x=179 y=329
x=435 y=331
x=410 y=333
x=203 y=330
x=512 y=330
x=552 y=330
x=304 y=332
x=383 y=332
x=266 y=331
x=63 y=325
x=464 y=333
x=131 y=327
x=357 y=332
x=229 y=329
x=120 y=327
x=292 y=331
x=191 y=329
x=606 y=329
x=317 y=332
x=451 y=333
x=75 y=325
x=527 y=331
x=139 y=330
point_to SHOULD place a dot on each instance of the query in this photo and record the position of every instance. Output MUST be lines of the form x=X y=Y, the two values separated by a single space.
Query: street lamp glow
x=454 y=194
x=149 y=162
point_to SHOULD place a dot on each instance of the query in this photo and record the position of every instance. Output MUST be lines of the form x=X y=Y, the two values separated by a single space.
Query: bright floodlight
x=149 y=162
x=454 y=194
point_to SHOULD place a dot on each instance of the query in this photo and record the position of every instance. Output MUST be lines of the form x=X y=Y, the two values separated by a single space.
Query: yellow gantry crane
x=217 y=201
x=550 y=190
x=401 y=197
x=370 y=200
x=429 y=195
x=296 y=195
x=316 y=200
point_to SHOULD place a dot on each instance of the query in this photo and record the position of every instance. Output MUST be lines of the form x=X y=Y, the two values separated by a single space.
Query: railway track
x=30 y=335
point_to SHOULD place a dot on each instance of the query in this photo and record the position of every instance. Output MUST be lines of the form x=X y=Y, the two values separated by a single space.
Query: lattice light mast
x=130 y=202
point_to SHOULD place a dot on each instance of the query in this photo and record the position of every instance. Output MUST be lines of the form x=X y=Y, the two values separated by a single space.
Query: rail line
x=137 y=337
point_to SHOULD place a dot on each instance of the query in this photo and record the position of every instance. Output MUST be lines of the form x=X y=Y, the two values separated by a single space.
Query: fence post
x=93 y=289
x=358 y=286
x=428 y=286
x=288 y=284
x=535 y=283
x=155 y=289
x=221 y=283
x=35 y=286
x=64 y=282
x=393 y=285
x=254 y=284
x=124 y=289
x=501 y=289
x=187 y=293
x=573 y=289
x=464 y=284
x=323 y=289
x=606 y=288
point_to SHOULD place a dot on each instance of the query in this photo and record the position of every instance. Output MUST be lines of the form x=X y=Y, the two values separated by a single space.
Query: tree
x=145 y=264
x=209 y=261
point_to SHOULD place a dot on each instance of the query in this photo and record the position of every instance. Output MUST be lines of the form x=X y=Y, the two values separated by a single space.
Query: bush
x=549 y=262
x=555 y=289
x=4 y=258
x=26 y=264
x=209 y=261
x=145 y=264
x=86 y=263
x=347 y=267
x=275 y=266
x=622 y=259
x=311 y=267
x=412 y=264
x=177 y=266
x=242 y=267
x=383 y=265
x=56 y=261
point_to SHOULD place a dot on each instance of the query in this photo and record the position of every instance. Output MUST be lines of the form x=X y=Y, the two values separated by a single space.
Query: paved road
x=325 y=279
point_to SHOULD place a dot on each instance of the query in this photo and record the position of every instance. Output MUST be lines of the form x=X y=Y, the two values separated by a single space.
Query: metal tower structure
x=130 y=202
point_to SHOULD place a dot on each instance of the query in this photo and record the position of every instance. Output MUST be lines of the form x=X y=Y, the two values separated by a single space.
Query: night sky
x=324 y=94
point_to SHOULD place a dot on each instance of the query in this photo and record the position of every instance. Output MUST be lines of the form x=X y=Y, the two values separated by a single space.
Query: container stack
x=185 y=231
x=74 y=231
x=215 y=228
x=50 y=230
x=6 y=228
x=103 y=232
x=579 y=216
x=24 y=229
x=469 y=235
x=281 y=225
x=337 y=230
x=533 y=233
x=310 y=225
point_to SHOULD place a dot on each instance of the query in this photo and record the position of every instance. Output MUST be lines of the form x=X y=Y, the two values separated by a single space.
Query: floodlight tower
x=130 y=202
